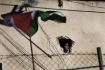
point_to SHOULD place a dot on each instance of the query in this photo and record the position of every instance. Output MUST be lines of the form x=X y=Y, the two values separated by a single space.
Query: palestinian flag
x=23 y=22
x=27 y=22
x=55 y=16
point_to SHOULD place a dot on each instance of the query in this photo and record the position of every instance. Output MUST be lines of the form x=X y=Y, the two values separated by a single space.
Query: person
x=66 y=47
x=60 y=3
x=66 y=44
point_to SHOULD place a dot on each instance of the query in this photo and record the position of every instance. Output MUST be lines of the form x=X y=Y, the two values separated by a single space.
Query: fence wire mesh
x=103 y=58
x=76 y=61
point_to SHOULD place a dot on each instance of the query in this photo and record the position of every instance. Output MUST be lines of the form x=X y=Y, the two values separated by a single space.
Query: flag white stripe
x=33 y=14
x=17 y=9
x=58 y=13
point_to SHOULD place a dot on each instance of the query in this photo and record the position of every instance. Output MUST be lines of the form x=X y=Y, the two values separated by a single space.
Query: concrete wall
x=85 y=28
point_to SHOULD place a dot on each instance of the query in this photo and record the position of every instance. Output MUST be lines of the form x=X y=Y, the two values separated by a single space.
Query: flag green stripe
x=56 y=17
x=34 y=25
x=44 y=17
x=2 y=22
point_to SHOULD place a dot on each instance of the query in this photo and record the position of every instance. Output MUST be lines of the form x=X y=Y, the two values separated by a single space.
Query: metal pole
x=100 y=58
x=0 y=66
x=35 y=44
x=32 y=54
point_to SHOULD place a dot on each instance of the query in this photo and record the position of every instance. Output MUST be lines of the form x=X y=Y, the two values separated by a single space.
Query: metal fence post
x=100 y=58
x=0 y=66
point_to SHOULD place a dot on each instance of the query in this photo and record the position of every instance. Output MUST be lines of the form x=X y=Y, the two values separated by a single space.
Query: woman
x=66 y=43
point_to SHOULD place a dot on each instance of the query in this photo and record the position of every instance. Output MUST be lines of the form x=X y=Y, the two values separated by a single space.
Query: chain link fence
x=103 y=57
x=75 y=61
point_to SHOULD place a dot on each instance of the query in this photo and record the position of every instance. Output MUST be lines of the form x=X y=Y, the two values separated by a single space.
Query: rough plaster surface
x=85 y=28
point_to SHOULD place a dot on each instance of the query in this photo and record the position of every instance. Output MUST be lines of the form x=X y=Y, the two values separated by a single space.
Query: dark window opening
x=66 y=43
